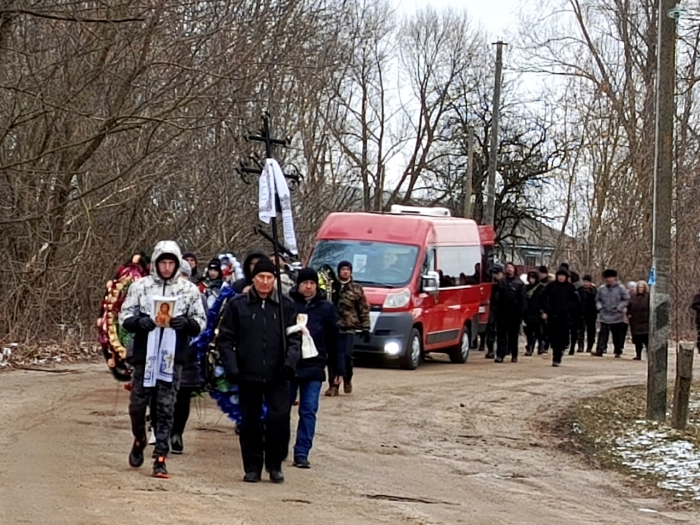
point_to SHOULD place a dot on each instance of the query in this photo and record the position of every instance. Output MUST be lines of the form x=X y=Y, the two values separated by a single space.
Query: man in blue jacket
x=322 y=324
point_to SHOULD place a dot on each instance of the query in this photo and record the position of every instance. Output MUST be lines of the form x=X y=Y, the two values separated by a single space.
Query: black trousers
x=345 y=344
x=507 y=332
x=488 y=338
x=182 y=409
x=576 y=333
x=618 y=331
x=559 y=332
x=533 y=333
x=640 y=341
x=264 y=445
x=589 y=330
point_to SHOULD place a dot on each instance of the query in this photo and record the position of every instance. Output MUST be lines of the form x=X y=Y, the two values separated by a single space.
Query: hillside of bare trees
x=122 y=123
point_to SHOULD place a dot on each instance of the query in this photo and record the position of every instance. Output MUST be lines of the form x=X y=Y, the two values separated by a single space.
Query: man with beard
x=252 y=346
x=511 y=308
x=559 y=302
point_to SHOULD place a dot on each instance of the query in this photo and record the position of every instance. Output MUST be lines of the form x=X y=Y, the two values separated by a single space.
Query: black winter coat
x=560 y=301
x=322 y=324
x=511 y=297
x=589 y=310
x=250 y=341
x=533 y=310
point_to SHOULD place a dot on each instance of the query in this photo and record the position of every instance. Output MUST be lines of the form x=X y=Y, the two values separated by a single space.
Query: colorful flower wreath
x=112 y=337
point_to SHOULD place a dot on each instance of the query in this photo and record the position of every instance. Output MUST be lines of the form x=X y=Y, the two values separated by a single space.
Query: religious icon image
x=164 y=312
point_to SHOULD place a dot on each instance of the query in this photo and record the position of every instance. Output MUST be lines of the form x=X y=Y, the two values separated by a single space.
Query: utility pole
x=468 y=176
x=490 y=214
x=663 y=198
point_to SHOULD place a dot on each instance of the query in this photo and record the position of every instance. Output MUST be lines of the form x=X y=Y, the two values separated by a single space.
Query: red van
x=424 y=274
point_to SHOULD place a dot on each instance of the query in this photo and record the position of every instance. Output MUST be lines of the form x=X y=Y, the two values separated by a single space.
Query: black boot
x=276 y=476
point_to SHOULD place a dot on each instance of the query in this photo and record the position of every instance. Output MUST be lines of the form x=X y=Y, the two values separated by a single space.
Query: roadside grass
x=611 y=432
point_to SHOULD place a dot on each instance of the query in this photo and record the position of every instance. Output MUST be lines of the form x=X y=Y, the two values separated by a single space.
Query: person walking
x=589 y=311
x=252 y=348
x=576 y=321
x=159 y=353
x=353 y=315
x=695 y=305
x=545 y=279
x=511 y=307
x=611 y=301
x=213 y=282
x=559 y=302
x=488 y=337
x=322 y=324
x=533 y=314
x=638 y=315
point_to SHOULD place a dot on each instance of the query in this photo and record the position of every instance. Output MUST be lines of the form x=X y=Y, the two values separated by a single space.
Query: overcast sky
x=495 y=16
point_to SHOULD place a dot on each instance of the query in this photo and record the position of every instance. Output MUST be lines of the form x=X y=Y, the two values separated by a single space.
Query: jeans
x=309 y=394
x=264 y=447
x=618 y=331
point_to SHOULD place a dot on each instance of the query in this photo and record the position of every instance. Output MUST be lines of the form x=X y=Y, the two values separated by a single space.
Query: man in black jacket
x=243 y=284
x=589 y=312
x=511 y=308
x=322 y=324
x=252 y=348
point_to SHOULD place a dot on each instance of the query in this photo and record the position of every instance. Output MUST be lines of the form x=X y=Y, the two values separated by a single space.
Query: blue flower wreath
x=224 y=393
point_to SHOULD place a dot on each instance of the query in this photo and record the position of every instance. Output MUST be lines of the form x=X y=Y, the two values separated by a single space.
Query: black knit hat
x=609 y=273
x=543 y=269
x=307 y=274
x=214 y=264
x=189 y=255
x=563 y=271
x=264 y=266
x=587 y=278
x=344 y=264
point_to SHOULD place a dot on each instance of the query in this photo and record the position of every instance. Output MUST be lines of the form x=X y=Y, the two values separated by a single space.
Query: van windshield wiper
x=373 y=284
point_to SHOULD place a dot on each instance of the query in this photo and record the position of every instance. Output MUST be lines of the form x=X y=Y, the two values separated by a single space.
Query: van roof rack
x=397 y=209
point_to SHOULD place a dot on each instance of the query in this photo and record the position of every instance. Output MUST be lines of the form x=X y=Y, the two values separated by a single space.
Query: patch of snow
x=650 y=449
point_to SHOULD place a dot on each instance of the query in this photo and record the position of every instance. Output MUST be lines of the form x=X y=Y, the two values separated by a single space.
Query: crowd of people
x=563 y=311
x=265 y=355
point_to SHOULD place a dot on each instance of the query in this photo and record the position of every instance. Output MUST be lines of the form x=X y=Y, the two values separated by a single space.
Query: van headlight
x=392 y=348
x=398 y=299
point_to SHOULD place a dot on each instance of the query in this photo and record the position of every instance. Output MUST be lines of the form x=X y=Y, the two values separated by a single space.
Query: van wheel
x=460 y=353
x=411 y=357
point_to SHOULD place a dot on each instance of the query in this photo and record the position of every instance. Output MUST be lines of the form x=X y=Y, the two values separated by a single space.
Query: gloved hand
x=145 y=324
x=289 y=373
x=365 y=336
x=179 y=323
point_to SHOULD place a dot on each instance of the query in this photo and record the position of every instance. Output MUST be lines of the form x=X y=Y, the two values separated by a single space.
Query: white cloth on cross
x=272 y=182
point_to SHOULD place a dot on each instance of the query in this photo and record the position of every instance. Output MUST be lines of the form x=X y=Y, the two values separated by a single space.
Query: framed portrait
x=163 y=310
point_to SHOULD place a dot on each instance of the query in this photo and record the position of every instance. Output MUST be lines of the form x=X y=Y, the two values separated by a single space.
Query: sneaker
x=347 y=387
x=332 y=391
x=276 y=476
x=159 y=470
x=176 y=445
x=300 y=462
x=252 y=477
x=136 y=454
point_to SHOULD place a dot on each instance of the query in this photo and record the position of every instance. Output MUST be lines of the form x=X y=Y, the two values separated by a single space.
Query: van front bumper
x=390 y=337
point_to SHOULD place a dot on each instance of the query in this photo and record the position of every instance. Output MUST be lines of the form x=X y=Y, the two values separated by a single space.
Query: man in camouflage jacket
x=353 y=315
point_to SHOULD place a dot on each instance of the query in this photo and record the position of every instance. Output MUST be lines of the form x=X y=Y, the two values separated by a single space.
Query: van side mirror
x=430 y=282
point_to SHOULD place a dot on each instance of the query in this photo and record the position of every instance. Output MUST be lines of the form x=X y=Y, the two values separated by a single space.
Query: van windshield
x=377 y=264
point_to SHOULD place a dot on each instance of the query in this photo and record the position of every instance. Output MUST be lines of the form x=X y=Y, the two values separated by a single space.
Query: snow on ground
x=654 y=449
